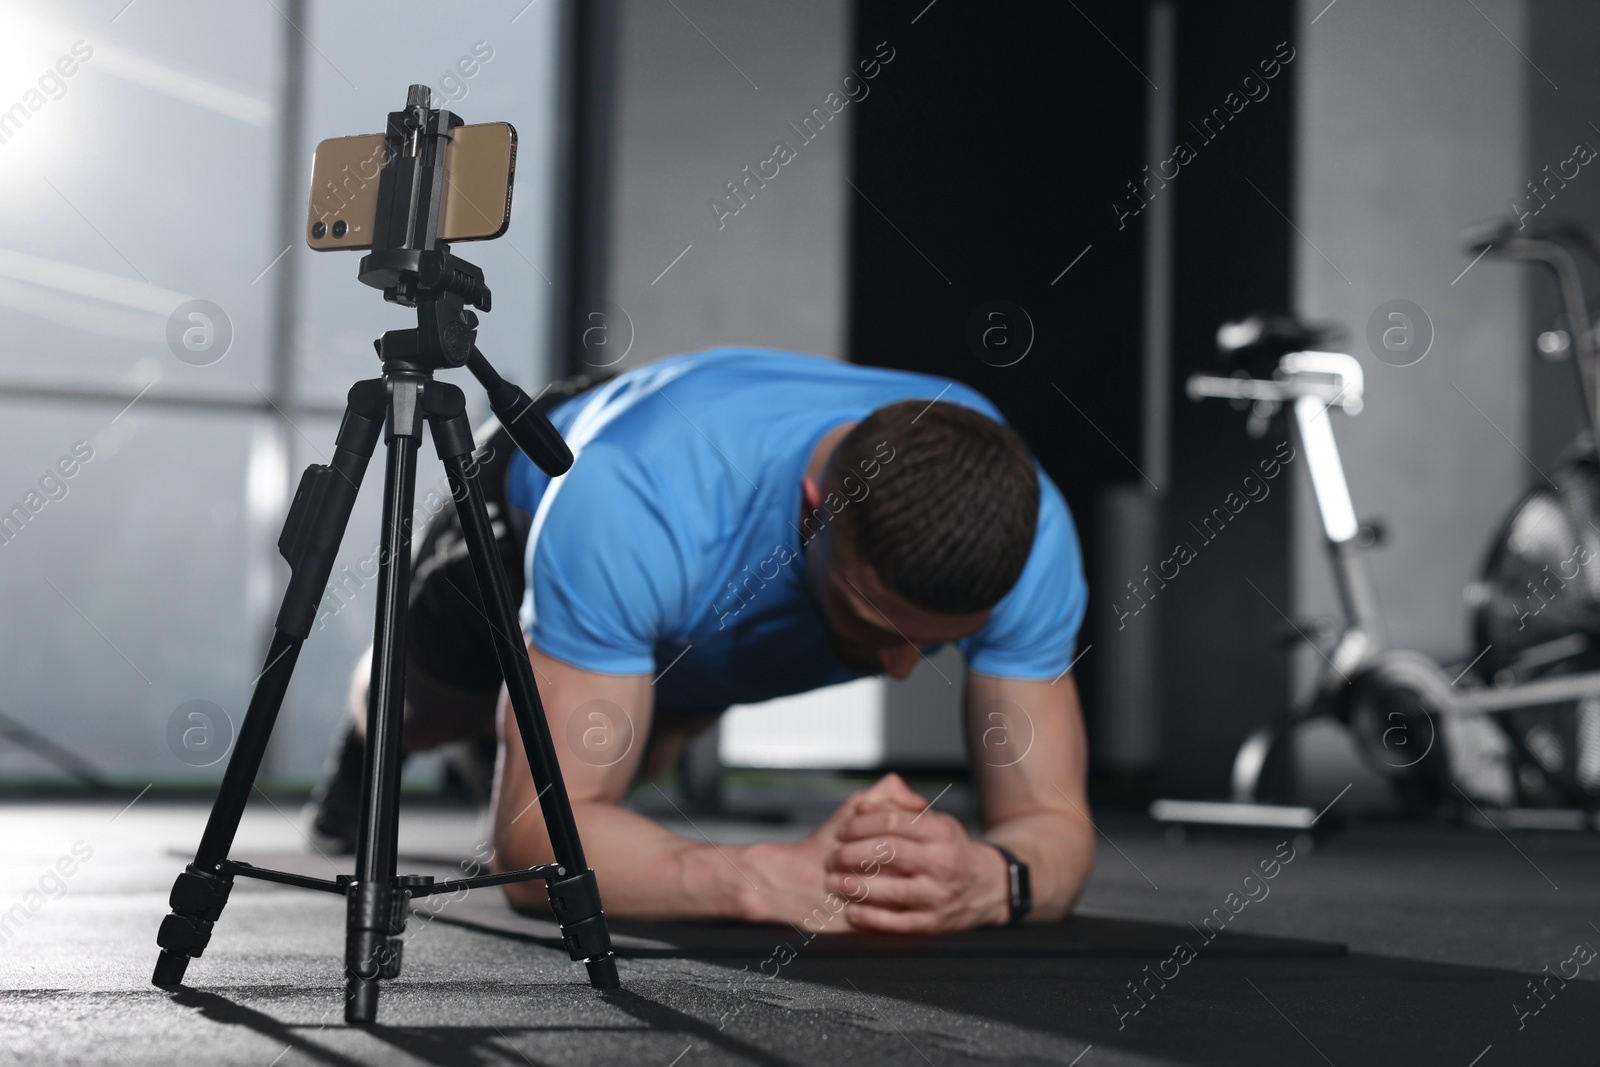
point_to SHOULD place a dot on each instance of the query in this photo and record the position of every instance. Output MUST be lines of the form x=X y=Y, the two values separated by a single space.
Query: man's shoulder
x=1032 y=632
x=1056 y=534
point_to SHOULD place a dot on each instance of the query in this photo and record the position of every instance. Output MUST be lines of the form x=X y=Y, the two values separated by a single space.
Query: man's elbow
x=1077 y=863
x=518 y=845
x=523 y=843
x=528 y=898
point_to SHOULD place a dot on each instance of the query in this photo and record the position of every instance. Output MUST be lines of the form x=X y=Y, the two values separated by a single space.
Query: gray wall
x=1412 y=127
x=699 y=95
x=705 y=88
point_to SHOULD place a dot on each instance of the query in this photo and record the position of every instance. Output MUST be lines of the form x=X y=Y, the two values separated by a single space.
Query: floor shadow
x=450 y=1046
x=444 y=1046
x=658 y=1016
x=220 y=1009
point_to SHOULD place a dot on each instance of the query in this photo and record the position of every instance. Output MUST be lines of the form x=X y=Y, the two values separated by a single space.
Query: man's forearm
x=1036 y=806
x=645 y=871
x=1059 y=852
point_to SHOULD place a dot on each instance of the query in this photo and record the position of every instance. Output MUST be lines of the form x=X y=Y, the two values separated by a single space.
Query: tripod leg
x=310 y=540
x=575 y=899
x=371 y=908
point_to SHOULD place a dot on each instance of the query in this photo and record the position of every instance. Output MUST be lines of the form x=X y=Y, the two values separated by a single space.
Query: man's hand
x=805 y=883
x=789 y=881
x=906 y=868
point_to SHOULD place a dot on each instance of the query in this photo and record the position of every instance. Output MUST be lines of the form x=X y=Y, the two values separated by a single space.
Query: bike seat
x=1257 y=342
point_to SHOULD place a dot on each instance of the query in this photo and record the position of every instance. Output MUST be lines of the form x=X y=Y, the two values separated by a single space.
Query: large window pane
x=128 y=581
x=136 y=163
x=145 y=178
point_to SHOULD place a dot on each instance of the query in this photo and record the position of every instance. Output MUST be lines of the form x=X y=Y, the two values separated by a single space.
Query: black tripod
x=414 y=268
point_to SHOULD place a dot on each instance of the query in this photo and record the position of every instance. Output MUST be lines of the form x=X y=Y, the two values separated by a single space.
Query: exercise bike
x=1537 y=602
x=1446 y=740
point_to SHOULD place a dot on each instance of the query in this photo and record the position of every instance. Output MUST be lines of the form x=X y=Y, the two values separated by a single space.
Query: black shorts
x=448 y=633
x=448 y=636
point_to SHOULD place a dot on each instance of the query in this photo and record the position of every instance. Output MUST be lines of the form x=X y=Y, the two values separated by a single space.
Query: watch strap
x=1018 y=883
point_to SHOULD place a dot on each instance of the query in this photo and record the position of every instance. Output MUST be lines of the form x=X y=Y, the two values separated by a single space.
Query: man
x=740 y=525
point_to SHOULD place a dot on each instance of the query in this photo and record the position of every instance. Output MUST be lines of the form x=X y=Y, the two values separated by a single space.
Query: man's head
x=922 y=520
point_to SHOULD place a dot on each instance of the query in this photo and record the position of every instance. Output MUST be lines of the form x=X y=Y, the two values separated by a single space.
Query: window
x=183 y=359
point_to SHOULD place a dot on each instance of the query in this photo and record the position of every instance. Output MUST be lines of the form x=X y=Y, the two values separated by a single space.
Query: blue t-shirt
x=674 y=540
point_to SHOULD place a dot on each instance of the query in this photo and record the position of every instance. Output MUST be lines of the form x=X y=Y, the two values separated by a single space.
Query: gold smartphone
x=481 y=162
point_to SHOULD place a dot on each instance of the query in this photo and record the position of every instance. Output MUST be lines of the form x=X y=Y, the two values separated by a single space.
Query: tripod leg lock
x=321 y=508
x=369 y=919
x=576 y=904
x=399 y=910
x=200 y=893
x=197 y=900
x=184 y=934
x=587 y=939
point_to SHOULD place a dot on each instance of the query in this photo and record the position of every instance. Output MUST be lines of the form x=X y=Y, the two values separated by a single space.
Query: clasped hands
x=884 y=861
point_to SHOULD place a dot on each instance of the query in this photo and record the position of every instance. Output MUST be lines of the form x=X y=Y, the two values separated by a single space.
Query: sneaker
x=469 y=769
x=333 y=815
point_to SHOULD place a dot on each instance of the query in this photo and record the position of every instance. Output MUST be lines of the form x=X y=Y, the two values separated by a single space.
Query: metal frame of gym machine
x=1313 y=384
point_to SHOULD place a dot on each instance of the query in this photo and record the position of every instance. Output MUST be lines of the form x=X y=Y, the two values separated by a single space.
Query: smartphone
x=481 y=162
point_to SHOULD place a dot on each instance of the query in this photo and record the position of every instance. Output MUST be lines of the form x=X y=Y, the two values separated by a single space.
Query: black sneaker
x=469 y=769
x=333 y=815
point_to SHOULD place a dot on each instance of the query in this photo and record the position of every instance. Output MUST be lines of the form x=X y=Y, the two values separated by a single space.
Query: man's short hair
x=947 y=522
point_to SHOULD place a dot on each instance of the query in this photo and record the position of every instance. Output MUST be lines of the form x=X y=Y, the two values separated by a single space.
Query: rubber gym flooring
x=1374 y=944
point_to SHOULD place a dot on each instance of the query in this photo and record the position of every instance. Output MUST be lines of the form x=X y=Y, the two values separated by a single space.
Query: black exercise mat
x=1077 y=937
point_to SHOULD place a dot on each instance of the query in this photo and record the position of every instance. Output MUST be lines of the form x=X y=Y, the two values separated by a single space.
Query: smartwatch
x=1019 y=883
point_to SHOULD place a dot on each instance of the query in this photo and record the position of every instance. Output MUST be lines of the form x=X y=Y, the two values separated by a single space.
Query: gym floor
x=1374 y=944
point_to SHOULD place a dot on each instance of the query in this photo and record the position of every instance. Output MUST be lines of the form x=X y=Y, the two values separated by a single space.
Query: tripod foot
x=361 y=1000
x=603 y=973
x=169 y=969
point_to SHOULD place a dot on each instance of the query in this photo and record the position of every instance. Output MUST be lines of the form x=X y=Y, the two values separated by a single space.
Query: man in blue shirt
x=740 y=525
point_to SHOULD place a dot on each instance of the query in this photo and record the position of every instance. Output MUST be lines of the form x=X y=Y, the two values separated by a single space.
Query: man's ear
x=810 y=492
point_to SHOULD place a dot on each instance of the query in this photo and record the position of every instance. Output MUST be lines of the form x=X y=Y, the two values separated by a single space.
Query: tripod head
x=409 y=260
x=413 y=265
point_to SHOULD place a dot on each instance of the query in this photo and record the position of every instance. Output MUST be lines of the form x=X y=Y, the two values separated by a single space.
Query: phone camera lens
x=319 y=229
x=339 y=228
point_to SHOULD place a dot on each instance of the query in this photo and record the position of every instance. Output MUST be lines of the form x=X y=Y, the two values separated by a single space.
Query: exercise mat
x=1076 y=937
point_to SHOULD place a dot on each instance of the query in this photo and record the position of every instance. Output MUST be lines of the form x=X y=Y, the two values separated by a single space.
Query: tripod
x=413 y=267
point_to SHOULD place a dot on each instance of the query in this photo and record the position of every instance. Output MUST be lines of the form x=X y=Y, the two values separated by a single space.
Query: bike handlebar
x=1332 y=377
